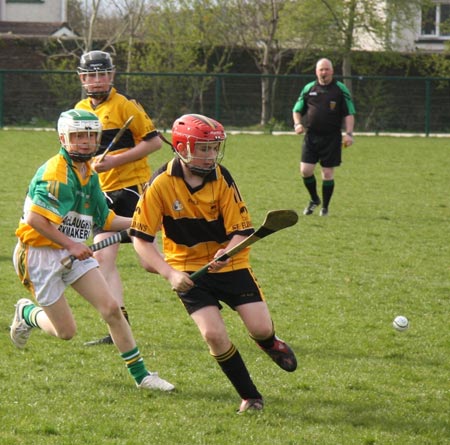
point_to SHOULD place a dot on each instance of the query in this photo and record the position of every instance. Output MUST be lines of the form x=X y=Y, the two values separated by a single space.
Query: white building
x=430 y=32
x=34 y=18
x=33 y=10
x=433 y=27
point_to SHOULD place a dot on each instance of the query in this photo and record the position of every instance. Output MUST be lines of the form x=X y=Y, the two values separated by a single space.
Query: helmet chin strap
x=99 y=94
x=197 y=171
x=80 y=157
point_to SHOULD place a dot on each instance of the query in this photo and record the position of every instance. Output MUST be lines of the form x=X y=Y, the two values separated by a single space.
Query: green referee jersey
x=324 y=106
x=69 y=200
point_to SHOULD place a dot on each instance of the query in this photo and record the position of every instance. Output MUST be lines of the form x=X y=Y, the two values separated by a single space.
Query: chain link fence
x=418 y=105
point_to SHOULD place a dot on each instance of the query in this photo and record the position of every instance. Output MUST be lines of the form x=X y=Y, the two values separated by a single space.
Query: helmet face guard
x=199 y=142
x=76 y=122
x=96 y=72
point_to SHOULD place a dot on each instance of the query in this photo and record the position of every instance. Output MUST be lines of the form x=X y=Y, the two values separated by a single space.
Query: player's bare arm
x=139 y=151
x=120 y=223
x=149 y=253
x=217 y=265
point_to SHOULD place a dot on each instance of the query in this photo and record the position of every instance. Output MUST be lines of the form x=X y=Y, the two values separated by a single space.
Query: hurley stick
x=116 y=138
x=275 y=220
x=67 y=262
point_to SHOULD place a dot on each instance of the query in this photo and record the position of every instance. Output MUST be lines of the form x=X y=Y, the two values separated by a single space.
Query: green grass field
x=333 y=284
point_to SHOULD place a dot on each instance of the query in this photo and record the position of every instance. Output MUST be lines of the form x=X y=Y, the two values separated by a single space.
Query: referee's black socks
x=311 y=185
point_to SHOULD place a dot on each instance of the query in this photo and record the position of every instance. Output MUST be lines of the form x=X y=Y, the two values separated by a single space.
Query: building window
x=436 y=20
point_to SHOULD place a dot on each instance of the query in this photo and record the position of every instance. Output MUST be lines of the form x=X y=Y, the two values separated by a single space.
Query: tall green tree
x=183 y=36
x=349 y=25
x=256 y=26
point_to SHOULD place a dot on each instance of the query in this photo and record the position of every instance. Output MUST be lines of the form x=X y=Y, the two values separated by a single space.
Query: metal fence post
x=2 y=99
x=427 y=106
x=217 y=97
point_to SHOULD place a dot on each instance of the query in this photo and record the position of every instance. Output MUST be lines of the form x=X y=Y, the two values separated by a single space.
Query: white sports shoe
x=153 y=381
x=19 y=330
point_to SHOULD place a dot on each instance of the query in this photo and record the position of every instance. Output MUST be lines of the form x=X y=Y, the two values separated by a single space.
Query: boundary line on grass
x=273 y=133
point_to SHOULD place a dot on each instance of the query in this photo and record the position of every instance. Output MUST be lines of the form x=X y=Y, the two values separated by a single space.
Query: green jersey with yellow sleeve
x=70 y=200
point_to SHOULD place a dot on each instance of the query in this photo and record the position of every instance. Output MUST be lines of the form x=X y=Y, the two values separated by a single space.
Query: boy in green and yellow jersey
x=63 y=202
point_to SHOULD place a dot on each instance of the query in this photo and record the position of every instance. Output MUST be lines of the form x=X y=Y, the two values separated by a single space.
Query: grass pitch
x=333 y=284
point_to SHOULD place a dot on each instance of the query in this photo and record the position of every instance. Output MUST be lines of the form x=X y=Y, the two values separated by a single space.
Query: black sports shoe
x=323 y=211
x=311 y=207
x=282 y=355
x=101 y=341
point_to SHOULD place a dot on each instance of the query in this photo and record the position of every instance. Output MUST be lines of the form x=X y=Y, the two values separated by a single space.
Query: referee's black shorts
x=233 y=288
x=323 y=148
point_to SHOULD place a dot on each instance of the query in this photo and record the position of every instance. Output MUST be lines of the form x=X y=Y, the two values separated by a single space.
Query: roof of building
x=36 y=29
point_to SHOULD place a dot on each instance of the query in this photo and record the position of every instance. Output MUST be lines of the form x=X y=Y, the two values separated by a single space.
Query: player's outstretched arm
x=149 y=254
x=120 y=223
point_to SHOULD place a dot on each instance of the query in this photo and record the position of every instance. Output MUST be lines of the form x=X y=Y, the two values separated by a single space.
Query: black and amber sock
x=267 y=343
x=234 y=368
x=125 y=314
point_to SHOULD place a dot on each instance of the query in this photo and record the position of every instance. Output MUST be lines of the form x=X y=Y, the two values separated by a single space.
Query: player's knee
x=214 y=337
x=106 y=259
x=262 y=332
x=67 y=333
x=111 y=311
x=306 y=173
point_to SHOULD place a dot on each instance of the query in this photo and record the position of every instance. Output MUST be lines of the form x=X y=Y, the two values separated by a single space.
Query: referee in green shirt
x=322 y=109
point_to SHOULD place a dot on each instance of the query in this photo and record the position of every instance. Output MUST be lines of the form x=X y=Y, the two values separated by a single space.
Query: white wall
x=48 y=11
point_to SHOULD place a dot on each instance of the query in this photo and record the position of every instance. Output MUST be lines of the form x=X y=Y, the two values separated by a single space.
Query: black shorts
x=326 y=148
x=233 y=288
x=123 y=202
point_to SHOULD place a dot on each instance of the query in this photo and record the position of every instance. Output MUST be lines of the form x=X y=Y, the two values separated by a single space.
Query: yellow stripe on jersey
x=113 y=113
x=57 y=171
x=195 y=222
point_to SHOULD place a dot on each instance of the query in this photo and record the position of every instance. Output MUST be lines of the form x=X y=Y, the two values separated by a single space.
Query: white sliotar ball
x=400 y=323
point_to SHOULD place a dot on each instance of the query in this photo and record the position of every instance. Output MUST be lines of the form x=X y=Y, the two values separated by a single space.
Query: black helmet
x=92 y=65
x=95 y=61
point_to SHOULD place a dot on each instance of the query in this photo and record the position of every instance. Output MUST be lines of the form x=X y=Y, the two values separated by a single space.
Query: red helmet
x=195 y=130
